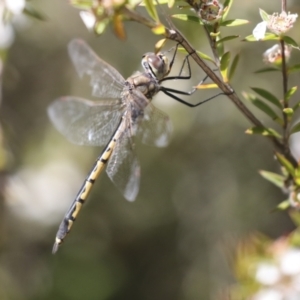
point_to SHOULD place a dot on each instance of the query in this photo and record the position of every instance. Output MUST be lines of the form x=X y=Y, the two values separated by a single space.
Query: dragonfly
x=123 y=110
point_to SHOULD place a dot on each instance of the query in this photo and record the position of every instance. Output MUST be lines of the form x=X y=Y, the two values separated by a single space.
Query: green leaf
x=290 y=93
x=268 y=37
x=227 y=38
x=263 y=131
x=32 y=12
x=284 y=205
x=295 y=128
x=263 y=107
x=291 y=42
x=267 y=69
x=155 y=2
x=285 y=163
x=265 y=16
x=158 y=46
x=185 y=17
x=220 y=48
x=289 y=112
x=215 y=34
x=296 y=106
x=227 y=5
x=100 y=27
x=171 y=3
x=233 y=66
x=275 y=178
x=225 y=59
x=159 y=29
x=294 y=68
x=268 y=96
x=236 y=22
x=151 y=9
x=82 y=4
x=201 y=54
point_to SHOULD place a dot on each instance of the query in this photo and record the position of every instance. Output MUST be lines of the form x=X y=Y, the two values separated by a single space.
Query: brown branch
x=175 y=35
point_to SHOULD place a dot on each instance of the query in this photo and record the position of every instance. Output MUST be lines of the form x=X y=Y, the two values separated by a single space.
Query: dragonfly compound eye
x=158 y=64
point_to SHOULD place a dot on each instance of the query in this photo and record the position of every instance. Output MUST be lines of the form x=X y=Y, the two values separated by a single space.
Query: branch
x=175 y=35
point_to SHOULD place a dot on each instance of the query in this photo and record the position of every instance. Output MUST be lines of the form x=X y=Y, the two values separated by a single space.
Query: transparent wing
x=106 y=81
x=85 y=122
x=123 y=167
x=155 y=128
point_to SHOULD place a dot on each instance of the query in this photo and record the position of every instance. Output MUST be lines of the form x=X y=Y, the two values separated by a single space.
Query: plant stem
x=175 y=35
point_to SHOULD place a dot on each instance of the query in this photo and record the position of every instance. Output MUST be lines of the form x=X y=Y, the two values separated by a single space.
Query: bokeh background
x=198 y=196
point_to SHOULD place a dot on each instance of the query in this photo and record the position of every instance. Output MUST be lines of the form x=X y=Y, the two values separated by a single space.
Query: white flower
x=15 y=6
x=290 y=262
x=276 y=23
x=267 y=274
x=7 y=35
x=88 y=19
x=260 y=30
x=268 y=294
x=273 y=55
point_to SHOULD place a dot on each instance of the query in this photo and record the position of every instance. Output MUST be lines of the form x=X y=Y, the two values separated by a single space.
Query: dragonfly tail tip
x=56 y=246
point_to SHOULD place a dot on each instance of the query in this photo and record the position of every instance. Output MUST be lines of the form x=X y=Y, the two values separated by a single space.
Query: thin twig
x=283 y=5
x=175 y=35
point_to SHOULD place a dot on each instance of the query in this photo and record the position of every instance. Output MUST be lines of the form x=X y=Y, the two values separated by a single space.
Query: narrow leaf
x=263 y=107
x=159 y=29
x=263 y=131
x=294 y=68
x=151 y=9
x=268 y=96
x=119 y=27
x=225 y=59
x=290 y=93
x=171 y=3
x=288 y=111
x=227 y=6
x=285 y=163
x=268 y=36
x=100 y=27
x=215 y=34
x=284 y=205
x=227 y=38
x=296 y=106
x=32 y=12
x=268 y=69
x=201 y=54
x=206 y=86
x=295 y=128
x=82 y=4
x=158 y=46
x=233 y=66
x=291 y=42
x=155 y=2
x=236 y=22
x=275 y=178
x=185 y=17
x=265 y=16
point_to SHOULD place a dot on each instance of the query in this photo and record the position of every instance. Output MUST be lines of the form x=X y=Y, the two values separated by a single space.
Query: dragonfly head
x=156 y=65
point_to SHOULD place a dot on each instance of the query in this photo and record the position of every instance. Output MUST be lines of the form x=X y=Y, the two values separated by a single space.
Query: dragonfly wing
x=106 y=81
x=155 y=128
x=85 y=122
x=123 y=167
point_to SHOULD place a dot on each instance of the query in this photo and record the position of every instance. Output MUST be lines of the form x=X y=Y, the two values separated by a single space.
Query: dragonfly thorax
x=145 y=83
x=156 y=65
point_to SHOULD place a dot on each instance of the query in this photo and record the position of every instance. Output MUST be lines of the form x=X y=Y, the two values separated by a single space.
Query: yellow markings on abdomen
x=83 y=193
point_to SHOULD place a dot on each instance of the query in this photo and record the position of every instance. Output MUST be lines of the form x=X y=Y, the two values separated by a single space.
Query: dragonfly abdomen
x=83 y=193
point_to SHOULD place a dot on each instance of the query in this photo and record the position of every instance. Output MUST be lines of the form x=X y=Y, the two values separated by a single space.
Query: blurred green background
x=198 y=196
